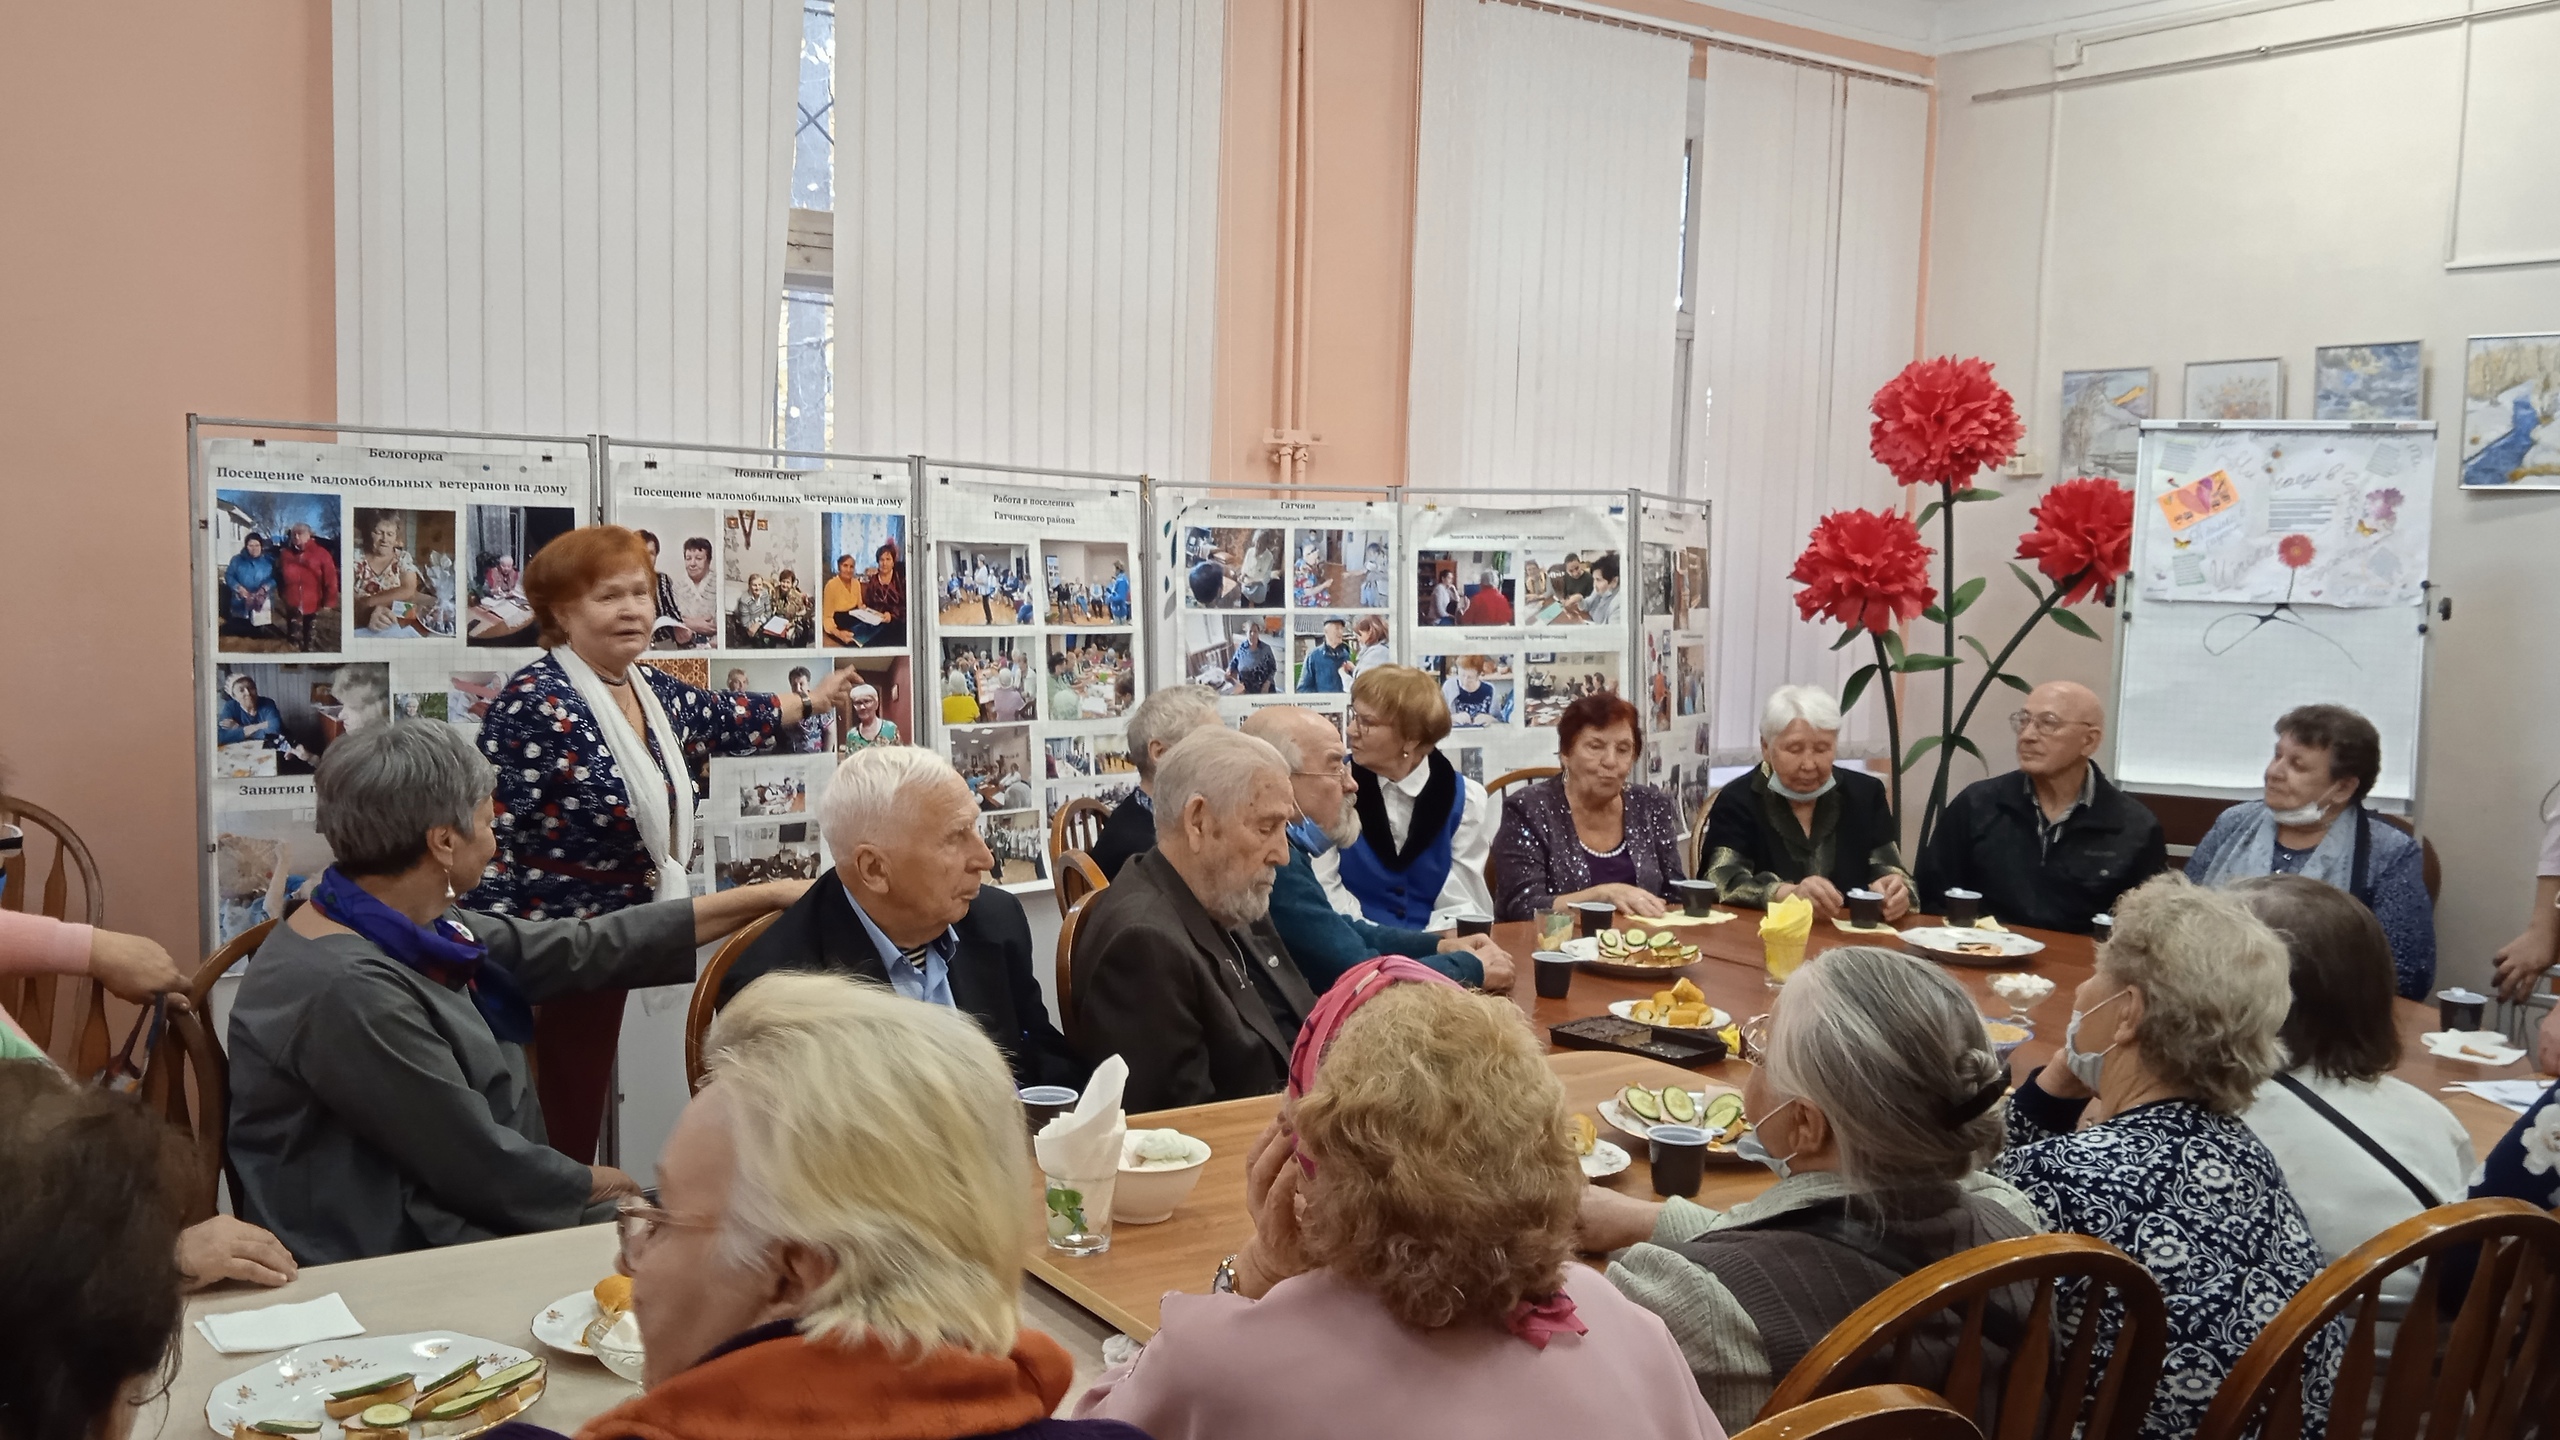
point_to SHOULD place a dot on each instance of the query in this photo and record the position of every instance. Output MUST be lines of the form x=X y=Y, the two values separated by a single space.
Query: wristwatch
x=1224 y=1282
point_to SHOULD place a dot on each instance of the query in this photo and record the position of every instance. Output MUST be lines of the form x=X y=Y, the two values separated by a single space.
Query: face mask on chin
x=1749 y=1147
x=2085 y=1067
x=1830 y=780
x=2310 y=814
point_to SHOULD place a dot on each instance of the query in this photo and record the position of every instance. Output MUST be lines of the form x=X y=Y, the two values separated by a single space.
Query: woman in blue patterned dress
x=2170 y=1039
x=598 y=778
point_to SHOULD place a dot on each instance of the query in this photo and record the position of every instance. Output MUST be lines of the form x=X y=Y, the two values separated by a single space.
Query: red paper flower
x=2085 y=528
x=1865 y=568
x=2295 y=550
x=1942 y=421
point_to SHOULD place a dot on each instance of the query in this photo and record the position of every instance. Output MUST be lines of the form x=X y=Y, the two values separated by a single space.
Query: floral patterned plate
x=563 y=1323
x=293 y=1385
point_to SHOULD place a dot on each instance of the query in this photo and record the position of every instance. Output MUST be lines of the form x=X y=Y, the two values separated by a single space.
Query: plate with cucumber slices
x=1632 y=954
x=433 y=1385
x=1716 y=1109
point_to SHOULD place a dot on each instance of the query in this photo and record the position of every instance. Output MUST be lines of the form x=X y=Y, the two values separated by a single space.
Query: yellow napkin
x=1986 y=922
x=1680 y=917
x=1789 y=919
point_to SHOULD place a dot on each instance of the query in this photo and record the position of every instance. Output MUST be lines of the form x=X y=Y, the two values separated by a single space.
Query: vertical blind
x=1809 y=275
x=1546 y=251
x=563 y=215
x=1026 y=230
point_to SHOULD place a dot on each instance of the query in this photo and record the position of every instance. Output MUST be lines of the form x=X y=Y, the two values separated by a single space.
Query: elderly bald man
x=2054 y=842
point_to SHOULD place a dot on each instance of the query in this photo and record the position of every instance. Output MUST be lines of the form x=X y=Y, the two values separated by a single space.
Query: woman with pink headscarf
x=1411 y=1268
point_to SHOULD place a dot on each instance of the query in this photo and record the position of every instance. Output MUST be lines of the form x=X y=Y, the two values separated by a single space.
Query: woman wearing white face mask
x=2172 y=1037
x=2313 y=822
x=1800 y=825
x=1875 y=1096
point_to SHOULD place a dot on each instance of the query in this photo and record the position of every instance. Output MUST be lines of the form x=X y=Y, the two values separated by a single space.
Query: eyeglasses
x=636 y=1221
x=2046 y=724
x=1339 y=768
x=1354 y=720
x=1755 y=1040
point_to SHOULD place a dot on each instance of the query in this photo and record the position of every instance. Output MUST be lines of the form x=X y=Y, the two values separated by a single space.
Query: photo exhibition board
x=768 y=580
x=1036 y=652
x=1676 y=693
x=1520 y=610
x=2264 y=513
x=347 y=586
x=1279 y=601
x=2200 y=683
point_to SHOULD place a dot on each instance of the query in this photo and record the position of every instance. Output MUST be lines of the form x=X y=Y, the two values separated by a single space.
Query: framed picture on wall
x=2369 y=382
x=2102 y=415
x=2510 y=397
x=2235 y=390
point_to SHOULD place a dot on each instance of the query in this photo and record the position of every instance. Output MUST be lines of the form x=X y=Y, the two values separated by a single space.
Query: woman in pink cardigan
x=1410 y=1270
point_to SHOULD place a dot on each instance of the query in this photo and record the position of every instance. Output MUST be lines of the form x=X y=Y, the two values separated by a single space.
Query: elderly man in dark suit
x=1161 y=719
x=908 y=905
x=1177 y=968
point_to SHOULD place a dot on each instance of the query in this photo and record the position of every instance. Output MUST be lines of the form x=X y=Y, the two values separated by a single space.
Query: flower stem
x=1892 y=718
x=1981 y=687
x=1946 y=677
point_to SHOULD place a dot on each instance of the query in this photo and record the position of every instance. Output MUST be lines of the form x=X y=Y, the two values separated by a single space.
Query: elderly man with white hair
x=1159 y=721
x=835 y=1243
x=1800 y=825
x=909 y=905
x=1177 y=967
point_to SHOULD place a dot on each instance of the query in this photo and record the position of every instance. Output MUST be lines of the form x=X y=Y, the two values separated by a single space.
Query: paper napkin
x=1084 y=1143
x=2480 y=1047
x=279 y=1327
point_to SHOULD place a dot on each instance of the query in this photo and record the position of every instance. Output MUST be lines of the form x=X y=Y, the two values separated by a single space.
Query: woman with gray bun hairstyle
x=1874 y=1093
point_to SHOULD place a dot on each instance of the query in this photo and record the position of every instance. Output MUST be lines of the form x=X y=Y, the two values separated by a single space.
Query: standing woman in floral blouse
x=597 y=763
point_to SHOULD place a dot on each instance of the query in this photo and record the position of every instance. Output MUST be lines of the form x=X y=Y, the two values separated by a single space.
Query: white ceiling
x=1941 y=26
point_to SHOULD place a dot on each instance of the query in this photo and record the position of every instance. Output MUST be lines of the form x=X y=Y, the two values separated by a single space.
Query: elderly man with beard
x=1324 y=941
x=1176 y=966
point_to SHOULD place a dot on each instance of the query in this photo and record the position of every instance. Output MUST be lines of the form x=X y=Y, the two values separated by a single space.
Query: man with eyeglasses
x=1324 y=941
x=2054 y=843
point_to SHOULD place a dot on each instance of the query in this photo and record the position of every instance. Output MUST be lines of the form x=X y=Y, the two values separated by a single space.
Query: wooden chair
x=1525 y=775
x=706 y=995
x=1878 y=1412
x=1077 y=825
x=187 y=1060
x=35 y=1000
x=242 y=946
x=1067 y=923
x=2430 y=869
x=2037 y=1398
x=2496 y=1367
x=1078 y=877
x=1698 y=841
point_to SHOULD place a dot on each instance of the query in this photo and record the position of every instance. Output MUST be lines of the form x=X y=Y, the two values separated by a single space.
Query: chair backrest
x=69 y=853
x=189 y=1081
x=35 y=1001
x=241 y=947
x=2040 y=1394
x=1525 y=775
x=706 y=994
x=1698 y=837
x=2430 y=869
x=1077 y=825
x=1072 y=917
x=1877 y=1412
x=2492 y=1369
x=1078 y=877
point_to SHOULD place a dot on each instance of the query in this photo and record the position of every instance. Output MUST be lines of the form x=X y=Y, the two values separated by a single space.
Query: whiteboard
x=2200 y=684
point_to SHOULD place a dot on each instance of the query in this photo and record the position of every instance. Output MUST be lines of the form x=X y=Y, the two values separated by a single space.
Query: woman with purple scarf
x=380 y=1093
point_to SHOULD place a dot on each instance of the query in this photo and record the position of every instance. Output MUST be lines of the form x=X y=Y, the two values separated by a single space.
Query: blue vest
x=1406 y=897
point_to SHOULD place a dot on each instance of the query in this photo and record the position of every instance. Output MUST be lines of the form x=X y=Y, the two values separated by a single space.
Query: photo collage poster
x=1281 y=601
x=347 y=586
x=2307 y=515
x=1520 y=611
x=1032 y=591
x=1675 y=693
x=768 y=580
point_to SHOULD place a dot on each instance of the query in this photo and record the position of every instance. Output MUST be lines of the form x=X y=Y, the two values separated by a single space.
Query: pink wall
x=165 y=246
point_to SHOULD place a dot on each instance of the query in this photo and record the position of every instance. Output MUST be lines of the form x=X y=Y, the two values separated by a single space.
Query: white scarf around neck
x=669 y=838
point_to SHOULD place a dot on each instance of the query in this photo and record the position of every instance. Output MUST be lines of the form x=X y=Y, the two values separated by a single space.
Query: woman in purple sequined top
x=1588 y=834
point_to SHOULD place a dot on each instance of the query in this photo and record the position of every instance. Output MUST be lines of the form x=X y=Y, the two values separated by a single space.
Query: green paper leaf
x=1933 y=614
x=2073 y=623
x=2014 y=682
x=2027 y=580
x=1846 y=636
x=1967 y=497
x=1967 y=593
x=1968 y=747
x=1978 y=648
x=1856 y=687
x=1929 y=512
x=1892 y=646
x=1915 y=663
x=1925 y=744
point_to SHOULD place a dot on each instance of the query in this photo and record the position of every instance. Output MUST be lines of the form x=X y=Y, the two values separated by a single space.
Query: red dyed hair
x=576 y=563
x=1596 y=712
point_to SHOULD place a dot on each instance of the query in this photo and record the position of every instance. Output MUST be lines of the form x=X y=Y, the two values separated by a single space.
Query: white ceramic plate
x=295 y=1384
x=1939 y=942
x=1587 y=950
x=1716 y=1019
x=1605 y=1160
x=563 y=1323
x=1617 y=1118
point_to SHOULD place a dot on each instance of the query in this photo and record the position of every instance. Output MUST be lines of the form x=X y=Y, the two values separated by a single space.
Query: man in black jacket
x=1177 y=968
x=2055 y=842
x=1161 y=719
x=908 y=905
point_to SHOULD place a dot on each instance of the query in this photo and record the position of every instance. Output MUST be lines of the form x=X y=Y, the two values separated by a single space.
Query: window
x=804 y=377
x=804 y=411
x=813 y=154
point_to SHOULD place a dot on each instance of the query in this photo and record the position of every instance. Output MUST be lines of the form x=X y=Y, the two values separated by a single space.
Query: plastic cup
x=2461 y=1009
x=1679 y=1156
x=1866 y=907
x=1475 y=924
x=1593 y=916
x=2102 y=928
x=1554 y=970
x=1781 y=958
x=1554 y=928
x=1964 y=906
x=1697 y=897
x=1079 y=1213
x=1044 y=1103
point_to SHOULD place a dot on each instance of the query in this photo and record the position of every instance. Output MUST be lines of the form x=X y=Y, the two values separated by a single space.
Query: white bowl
x=1145 y=1197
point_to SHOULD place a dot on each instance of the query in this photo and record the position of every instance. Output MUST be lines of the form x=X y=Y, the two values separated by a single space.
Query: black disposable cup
x=1593 y=916
x=2102 y=928
x=1697 y=897
x=1475 y=924
x=1963 y=907
x=1554 y=970
x=1866 y=907
x=1679 y=1156
x=1044 y=1103
x=2461 y=1009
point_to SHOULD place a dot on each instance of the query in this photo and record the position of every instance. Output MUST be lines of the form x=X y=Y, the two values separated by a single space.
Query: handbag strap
x=121 y=1074
x=2426 y=1198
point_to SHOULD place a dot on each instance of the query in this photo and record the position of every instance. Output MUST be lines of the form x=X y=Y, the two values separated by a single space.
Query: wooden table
x=492 y=1290
x=1124 y=1285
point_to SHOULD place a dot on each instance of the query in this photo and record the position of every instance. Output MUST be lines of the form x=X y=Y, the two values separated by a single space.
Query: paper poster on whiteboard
x=1281 y=601
x=1035 y=650
x=1671 y=643
x=2326 y=516
x=349 y=585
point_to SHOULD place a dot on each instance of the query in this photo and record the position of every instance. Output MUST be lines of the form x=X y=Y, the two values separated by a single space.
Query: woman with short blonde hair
x=1425 y=830
x=1411 y=1266
x=2171 y=1038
